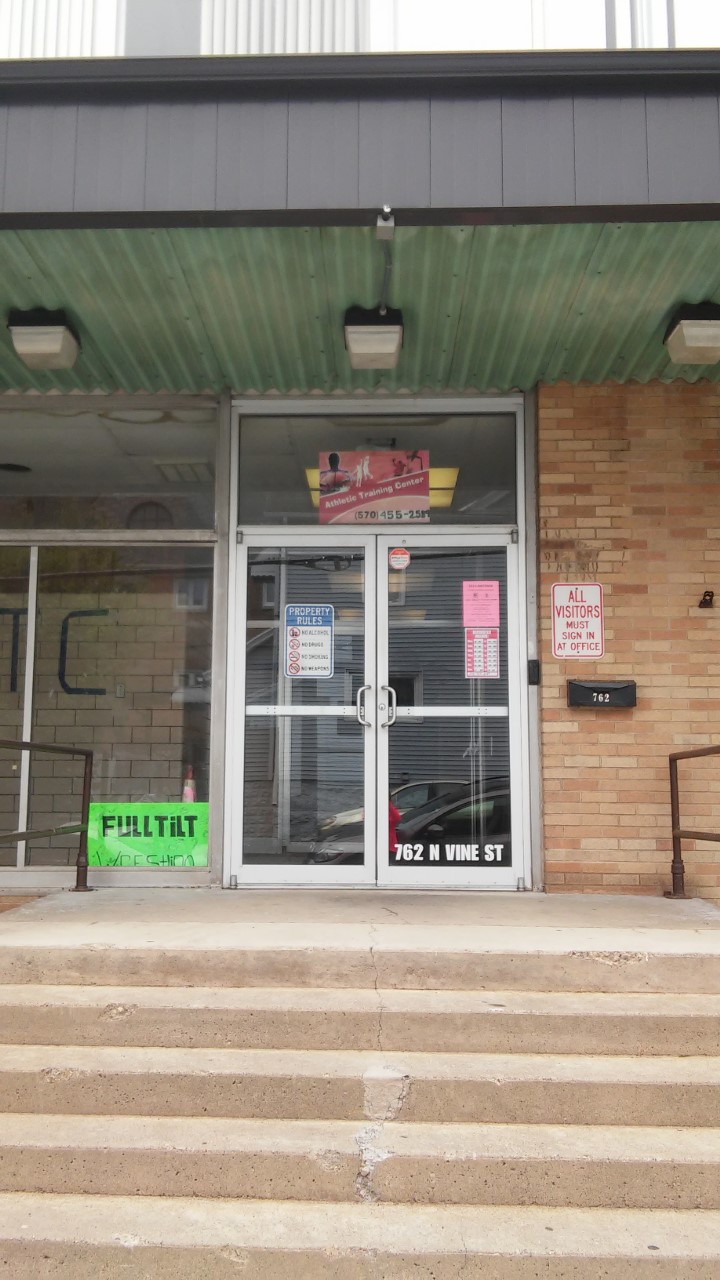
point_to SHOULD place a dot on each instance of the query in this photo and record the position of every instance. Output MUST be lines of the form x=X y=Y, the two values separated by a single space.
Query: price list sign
x=482 y=653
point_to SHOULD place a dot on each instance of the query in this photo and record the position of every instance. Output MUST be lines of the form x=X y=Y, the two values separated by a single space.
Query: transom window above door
x=376 y=472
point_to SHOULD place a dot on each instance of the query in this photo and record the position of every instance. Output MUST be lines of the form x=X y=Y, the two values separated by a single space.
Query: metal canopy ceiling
x=260 y=309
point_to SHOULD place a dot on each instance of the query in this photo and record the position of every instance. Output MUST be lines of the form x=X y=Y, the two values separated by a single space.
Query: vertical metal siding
x=284 y=26
x=611 y=164
x=60 y=28
x=466 y=165
x=538 y=151
x=683 y=142
x=96 y=28
x=322 y=149
x=412 y=152
x=181 y=155
x=394 y=160
x=252 y=154
x=111 y=156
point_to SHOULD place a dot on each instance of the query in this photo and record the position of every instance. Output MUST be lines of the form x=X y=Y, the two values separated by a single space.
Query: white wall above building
x=106 y=28
x=137 y=28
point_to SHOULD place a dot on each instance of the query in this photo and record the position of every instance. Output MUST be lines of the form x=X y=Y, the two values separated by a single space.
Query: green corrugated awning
x=260 y=310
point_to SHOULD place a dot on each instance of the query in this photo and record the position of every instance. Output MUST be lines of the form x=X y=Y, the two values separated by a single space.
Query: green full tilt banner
x=148 y=835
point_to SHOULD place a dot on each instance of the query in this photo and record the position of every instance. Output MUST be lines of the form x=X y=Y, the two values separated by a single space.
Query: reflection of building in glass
x=141 y=469
x=150 y=515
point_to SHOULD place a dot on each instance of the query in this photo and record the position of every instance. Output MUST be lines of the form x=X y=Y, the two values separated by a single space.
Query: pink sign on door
x=481 y=603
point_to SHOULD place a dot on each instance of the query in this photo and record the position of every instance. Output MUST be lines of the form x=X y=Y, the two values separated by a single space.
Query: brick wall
x=630 y=497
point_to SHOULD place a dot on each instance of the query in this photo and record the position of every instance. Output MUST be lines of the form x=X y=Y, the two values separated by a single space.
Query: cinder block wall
x=630 y=497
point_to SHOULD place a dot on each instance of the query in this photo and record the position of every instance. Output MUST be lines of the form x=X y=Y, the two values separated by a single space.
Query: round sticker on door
x=399 y=558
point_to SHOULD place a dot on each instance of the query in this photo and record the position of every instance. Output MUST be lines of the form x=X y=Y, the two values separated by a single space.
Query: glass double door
x=379 y=711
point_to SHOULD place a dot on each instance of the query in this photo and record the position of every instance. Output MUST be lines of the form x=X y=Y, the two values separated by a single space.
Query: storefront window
x=122 y=665
x=290 y=465
x=113 y=468
x=14 y=563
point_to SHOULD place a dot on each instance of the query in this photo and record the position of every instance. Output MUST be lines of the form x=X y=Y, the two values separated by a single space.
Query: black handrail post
x=81 y=873
x=678 y=866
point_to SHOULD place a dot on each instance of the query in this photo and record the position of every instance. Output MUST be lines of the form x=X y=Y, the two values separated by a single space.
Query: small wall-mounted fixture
x=43 y=339
x=373 y=337
x=385 y=225
x=707 y=600
x=693 y=335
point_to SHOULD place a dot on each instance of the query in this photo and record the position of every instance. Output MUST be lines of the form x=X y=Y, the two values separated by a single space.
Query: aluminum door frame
x=331 y=875
x=518 y=876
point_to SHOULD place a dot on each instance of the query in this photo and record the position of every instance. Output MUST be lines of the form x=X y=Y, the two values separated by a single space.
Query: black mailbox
x=602 y=693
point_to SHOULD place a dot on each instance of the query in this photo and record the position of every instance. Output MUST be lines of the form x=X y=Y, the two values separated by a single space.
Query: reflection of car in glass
x=408 y=796
x=457 y=816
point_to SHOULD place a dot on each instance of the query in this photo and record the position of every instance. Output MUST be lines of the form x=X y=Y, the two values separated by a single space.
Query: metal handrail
x=678 y=833
x=81 y=865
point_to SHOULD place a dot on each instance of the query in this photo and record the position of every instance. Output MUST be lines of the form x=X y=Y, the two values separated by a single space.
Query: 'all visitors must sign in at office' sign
x=148 y=835
x=578 y=620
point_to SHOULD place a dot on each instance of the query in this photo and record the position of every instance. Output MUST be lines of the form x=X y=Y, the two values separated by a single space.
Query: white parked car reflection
x=410 y=795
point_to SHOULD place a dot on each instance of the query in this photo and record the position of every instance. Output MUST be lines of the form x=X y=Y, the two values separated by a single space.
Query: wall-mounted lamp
x=374 y=335
x=43 y=339
x=693 y=335
x=707 y=600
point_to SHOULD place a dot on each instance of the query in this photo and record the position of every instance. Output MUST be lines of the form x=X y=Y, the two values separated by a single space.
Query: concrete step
x=442 y=958
x=570 y=1166
x=335 y=1018
x=195 y=1239
x=344 y=1085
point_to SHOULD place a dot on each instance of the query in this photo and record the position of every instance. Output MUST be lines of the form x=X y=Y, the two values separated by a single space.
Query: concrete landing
x=361 y=938
x=360 y=918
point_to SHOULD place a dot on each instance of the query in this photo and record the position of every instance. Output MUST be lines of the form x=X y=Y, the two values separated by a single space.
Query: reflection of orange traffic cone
x=189 y=792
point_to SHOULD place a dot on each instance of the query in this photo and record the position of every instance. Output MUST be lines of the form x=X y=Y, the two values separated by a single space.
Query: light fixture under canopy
x=44 y=339
x=693 y=335
x=373 y=336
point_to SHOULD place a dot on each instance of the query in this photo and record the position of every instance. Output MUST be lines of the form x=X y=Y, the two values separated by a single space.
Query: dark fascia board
x=527 y=215
x=391 y=74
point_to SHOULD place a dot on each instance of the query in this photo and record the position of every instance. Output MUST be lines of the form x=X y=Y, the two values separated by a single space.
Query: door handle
x=360 y=705
x=392 y=713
